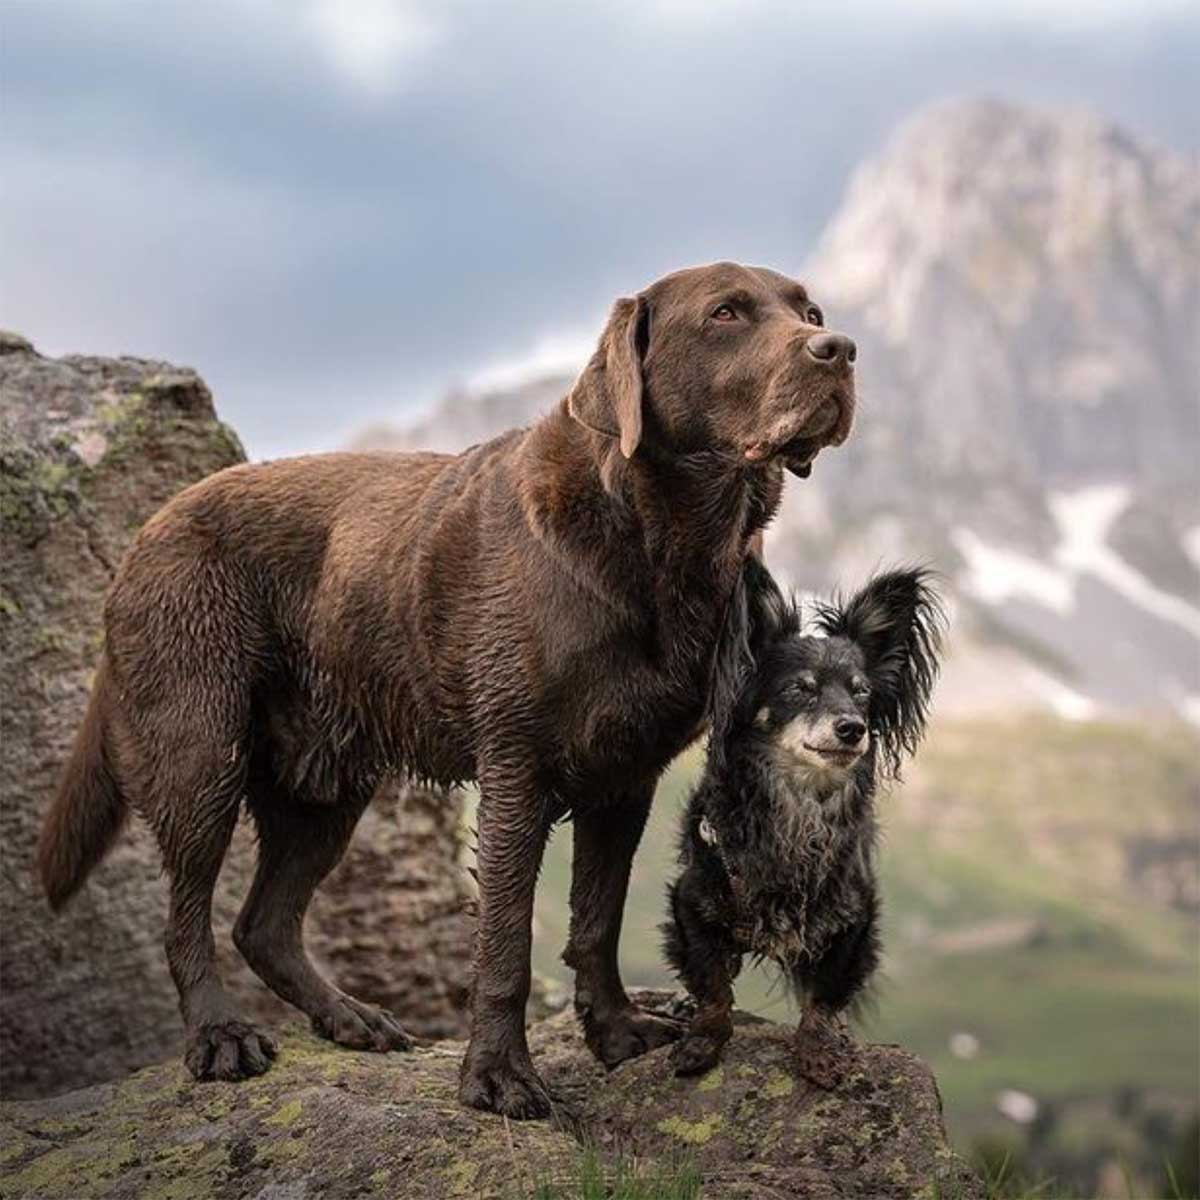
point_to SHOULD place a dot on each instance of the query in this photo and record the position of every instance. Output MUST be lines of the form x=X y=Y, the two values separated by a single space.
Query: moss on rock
x=334 y=1123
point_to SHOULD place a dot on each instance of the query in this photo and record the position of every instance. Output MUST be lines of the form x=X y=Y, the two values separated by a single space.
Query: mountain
x=1024 y=287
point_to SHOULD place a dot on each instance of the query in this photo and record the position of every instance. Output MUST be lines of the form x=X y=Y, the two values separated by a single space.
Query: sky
x=338 y=209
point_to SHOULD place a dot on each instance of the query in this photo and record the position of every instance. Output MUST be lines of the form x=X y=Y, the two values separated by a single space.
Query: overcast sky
x=335 y=209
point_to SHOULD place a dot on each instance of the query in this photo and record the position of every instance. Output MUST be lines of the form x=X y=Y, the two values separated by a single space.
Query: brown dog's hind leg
x=497 y=1073
x=298 y=846
x=219 y=1044
x=614 y=1027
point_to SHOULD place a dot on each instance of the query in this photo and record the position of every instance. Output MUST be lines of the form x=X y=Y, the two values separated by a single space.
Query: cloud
x=370 y=42
x=335 y=210
x=561 y=353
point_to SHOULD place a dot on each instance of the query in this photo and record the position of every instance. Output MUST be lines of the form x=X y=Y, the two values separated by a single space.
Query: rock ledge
x=330 y=1123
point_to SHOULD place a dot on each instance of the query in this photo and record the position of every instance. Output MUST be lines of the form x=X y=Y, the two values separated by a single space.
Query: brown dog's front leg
x=497 y=1072
x=605 y=840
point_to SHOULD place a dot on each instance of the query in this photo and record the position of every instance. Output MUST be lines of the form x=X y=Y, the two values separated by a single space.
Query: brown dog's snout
x=832 y=348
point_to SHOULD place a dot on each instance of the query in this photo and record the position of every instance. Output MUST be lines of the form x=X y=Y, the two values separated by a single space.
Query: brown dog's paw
x=512 y=1089
x=629 y=1033
x=825 y=1053
x=349 y=1022
x=695 y=1055
x=228 y=1050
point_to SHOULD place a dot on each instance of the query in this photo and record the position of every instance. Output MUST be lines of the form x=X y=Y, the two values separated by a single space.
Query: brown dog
x=538 y=613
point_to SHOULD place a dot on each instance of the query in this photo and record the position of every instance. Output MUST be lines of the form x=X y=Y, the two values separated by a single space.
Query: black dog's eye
x=814 y=316
x=724 y=312
x=802 y=687
x=862 y=691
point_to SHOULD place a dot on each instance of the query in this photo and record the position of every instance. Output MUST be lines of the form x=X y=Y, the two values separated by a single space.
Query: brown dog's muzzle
x=813 y=403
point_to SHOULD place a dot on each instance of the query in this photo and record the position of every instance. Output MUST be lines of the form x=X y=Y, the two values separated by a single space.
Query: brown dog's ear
x=607 y=396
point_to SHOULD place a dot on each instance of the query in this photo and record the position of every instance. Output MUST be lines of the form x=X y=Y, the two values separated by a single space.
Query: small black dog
x=778 y=839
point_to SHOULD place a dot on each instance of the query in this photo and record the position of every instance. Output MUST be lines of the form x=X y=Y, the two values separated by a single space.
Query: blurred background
x=378 y=223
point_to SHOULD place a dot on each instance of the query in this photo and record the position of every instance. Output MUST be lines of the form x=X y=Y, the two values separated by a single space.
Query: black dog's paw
x=628 y=1033
x=349 y=1022
x=228 y=1050
x=695 y=1055
x=681 y=1007
x=825 y=1054
x=511 y=1088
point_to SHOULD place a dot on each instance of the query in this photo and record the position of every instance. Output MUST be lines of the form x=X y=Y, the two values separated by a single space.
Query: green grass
x=1055 y=1023
x=622 y=1179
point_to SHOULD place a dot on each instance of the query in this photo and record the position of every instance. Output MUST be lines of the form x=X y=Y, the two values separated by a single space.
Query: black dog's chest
x=781 y=901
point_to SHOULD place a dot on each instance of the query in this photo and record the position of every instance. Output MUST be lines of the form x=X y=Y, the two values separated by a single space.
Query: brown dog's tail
x=88 y=812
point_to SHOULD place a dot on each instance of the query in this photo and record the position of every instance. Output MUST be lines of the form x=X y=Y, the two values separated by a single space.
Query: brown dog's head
x=722 y=358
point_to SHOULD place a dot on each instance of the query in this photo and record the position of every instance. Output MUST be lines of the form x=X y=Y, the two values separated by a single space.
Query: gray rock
x=89 y=448
x=326 y=1122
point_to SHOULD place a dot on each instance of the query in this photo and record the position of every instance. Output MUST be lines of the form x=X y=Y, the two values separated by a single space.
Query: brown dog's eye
x=814 y=316
x=724 y=312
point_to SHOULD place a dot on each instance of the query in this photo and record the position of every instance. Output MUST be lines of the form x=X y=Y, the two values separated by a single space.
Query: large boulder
x=330 y=1123
x=89 y=448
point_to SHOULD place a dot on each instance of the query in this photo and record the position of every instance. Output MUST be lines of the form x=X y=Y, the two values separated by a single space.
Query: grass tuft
x=622 y=1178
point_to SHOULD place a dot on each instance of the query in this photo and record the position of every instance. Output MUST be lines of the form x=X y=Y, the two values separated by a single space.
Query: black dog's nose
x=849 y=730
x=831 y=347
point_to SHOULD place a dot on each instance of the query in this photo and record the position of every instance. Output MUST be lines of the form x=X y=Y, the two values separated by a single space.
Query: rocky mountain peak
x=1005 y=198
x=1030 y=282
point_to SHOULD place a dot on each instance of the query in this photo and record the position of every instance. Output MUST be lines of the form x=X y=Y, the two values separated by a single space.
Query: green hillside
x=1041 y=886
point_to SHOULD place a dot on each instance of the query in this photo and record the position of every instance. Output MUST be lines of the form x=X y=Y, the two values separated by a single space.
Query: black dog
x=778 y=839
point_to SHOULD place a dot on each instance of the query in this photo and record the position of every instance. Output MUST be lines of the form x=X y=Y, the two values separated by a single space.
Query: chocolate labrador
x=538 y=613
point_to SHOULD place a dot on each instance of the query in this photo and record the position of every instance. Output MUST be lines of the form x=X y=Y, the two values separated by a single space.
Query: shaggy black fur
x=778 y=839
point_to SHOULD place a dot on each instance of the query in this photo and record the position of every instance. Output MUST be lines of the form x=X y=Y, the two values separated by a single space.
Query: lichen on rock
x=326 y=1122
x=89 y=449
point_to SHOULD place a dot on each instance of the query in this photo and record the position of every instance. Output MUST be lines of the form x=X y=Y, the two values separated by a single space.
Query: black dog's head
x=863 y=680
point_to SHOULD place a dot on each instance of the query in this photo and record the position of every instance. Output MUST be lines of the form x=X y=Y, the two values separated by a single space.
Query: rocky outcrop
x=89 y=448
x=325 y=1122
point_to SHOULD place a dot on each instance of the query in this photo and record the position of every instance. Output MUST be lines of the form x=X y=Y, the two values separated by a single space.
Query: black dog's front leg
x=705 y=958
x=824 y=1050
x=605 y=840
x=497 y=1072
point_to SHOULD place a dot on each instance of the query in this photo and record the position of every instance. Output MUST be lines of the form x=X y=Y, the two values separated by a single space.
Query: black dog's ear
x=607 y=396
x=898 y=622
x=758 y=615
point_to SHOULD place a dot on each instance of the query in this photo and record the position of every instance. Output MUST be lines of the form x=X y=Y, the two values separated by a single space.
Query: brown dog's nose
x=831 y=348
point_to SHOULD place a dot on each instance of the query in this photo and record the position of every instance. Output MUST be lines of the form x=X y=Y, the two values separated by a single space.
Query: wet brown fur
x=538 y=613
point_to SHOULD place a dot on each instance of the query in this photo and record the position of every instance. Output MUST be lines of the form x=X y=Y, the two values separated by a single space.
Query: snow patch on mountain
x=1084 y=519
x=1068 y=703
x=995 y=574
x=1191 y=544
